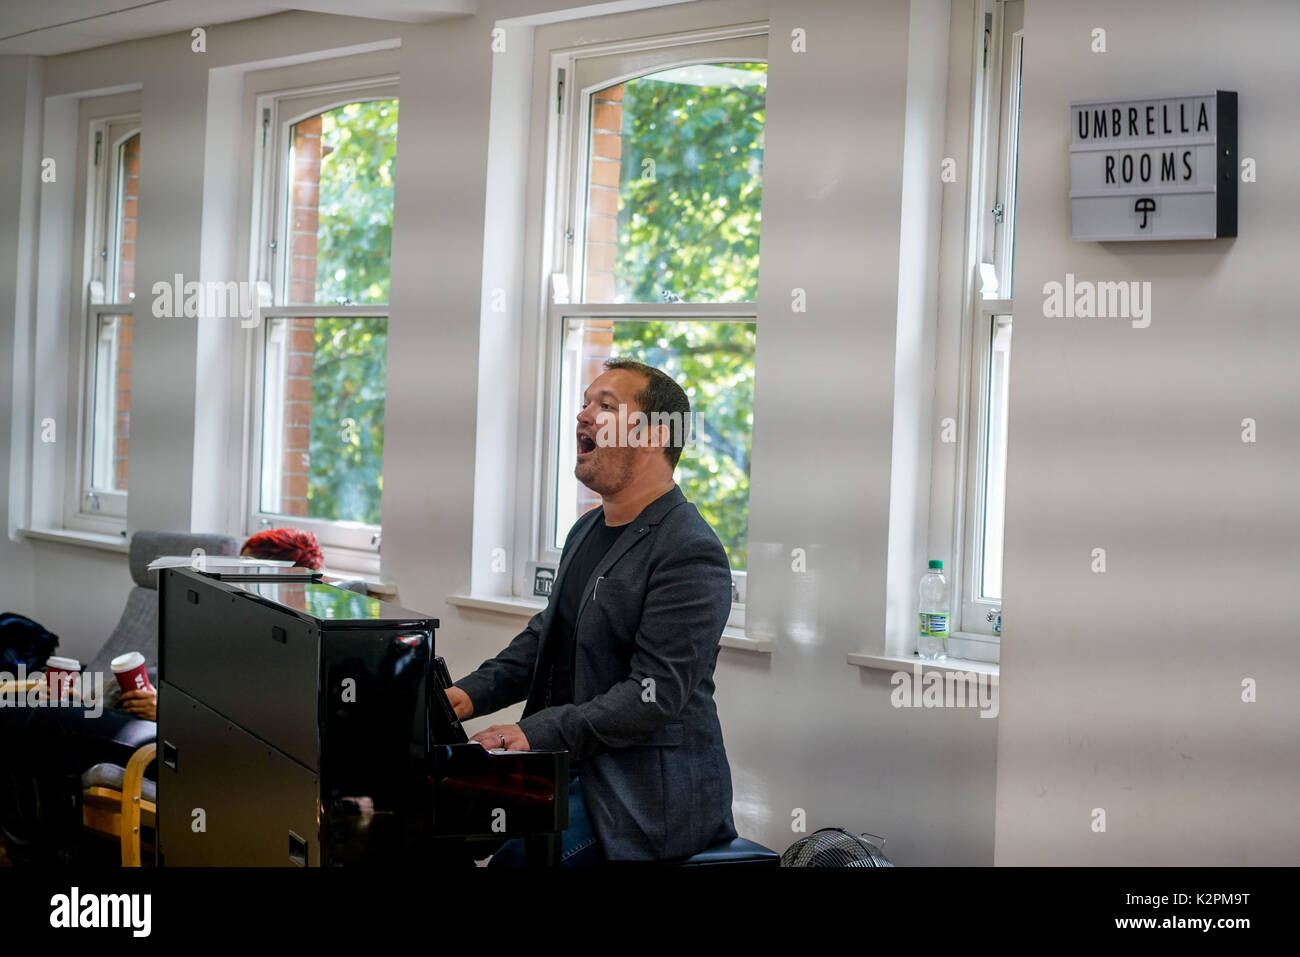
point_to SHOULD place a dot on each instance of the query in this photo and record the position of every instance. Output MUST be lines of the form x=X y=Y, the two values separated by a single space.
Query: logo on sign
x=543 y=581
x=1144 y=206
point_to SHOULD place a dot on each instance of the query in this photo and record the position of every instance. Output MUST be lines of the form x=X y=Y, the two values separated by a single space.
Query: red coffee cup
x=61 y=674
x=130 y=672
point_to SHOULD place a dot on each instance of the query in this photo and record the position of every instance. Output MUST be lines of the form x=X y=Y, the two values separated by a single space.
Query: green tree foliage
x=355 y=230
x=347 y=423
x=691 y=188
x=354 y=239
x=690 y=232
x=714 y=363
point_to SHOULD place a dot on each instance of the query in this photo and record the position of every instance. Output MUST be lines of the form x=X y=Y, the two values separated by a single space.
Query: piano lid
x=330 y=605
x=262 y=573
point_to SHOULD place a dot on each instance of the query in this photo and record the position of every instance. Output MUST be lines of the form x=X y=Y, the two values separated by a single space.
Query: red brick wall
x=122 y=427
x=601 y=243
x=602 y=196
x=296 y=466
x=125 y=293
x=304 y=218
x=130 y=195
x=304 y=222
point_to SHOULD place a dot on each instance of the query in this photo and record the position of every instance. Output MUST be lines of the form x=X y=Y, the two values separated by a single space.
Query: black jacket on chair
x=643 y=722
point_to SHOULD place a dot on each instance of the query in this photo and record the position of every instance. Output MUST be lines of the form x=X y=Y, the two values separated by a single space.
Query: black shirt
x=559 y=689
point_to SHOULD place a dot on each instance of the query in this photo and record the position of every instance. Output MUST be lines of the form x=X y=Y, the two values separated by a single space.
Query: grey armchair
x=117 y=799
x=137 y=629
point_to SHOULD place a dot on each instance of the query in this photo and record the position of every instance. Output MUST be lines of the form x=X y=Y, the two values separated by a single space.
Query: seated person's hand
x=460 y=703
x=502 y=737
x=142 y=704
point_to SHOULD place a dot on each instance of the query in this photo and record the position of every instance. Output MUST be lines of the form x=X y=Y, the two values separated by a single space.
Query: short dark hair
x=663 y=396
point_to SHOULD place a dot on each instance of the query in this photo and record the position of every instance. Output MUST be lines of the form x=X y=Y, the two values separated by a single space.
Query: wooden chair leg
x=132 y=784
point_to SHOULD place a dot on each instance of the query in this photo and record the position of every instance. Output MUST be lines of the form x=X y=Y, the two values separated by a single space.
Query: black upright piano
x=304 y=724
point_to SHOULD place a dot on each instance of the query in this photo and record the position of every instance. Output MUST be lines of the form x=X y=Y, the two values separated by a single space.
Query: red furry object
x=286 y=544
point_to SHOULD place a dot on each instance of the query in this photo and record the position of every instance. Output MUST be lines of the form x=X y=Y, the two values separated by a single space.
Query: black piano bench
x=733 y=853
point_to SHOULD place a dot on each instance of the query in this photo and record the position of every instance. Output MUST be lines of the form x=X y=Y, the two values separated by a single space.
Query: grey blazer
x=643 y=723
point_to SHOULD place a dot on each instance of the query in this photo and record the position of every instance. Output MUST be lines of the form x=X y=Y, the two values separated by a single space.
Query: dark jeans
x=46 y=750
x=578 y=844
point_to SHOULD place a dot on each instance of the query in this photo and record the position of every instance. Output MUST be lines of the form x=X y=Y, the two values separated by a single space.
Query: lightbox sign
x=1154 y=168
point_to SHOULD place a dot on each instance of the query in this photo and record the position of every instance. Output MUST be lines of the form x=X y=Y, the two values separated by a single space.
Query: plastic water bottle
x=932 y=638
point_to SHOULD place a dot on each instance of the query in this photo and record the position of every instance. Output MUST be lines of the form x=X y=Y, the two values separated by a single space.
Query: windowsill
x=736 y=638
x=377 y=586
x=119 y=545
x=527 y=607
x=352 y=562
x=945 y=665
x=67 y=536
x=523 y=607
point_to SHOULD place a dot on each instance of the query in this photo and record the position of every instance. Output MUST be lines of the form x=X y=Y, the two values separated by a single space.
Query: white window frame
x=572 y=80
x=994 y=109
x=105 y=123
x=350 y=545
x=976 y=608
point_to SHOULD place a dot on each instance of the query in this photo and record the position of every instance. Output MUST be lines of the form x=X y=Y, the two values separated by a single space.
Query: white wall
x=804 y=729
x=1122 y=690
x=917 y=315
x=20 y=78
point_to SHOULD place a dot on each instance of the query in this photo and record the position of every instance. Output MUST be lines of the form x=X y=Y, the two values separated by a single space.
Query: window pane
x=1013 y=171
x=714 y=363
x=675 y=186
x=340 y=196
x=111 y=404
x=995 y=474
x=323 y=418
x=126 y=193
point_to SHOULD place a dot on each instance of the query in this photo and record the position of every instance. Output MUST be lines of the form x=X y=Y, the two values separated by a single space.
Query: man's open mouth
x=586 y=444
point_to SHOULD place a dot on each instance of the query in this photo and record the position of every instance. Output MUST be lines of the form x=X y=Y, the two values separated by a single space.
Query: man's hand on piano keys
x=499 y=737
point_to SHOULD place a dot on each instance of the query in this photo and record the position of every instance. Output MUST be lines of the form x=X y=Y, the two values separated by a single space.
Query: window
x=713 y=355
x=658 y=213
x=995 y=459
x=672 y=202
x=978 y=578
x=326 y=212
x=97 y=494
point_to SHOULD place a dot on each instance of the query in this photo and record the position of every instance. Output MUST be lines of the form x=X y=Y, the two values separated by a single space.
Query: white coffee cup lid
x=64 y=664
x=132 y=659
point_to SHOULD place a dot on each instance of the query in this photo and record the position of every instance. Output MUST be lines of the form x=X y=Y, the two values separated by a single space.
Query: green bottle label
x=936 y=626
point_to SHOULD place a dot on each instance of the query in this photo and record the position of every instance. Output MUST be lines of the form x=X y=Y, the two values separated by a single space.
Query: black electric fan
x=836 y=847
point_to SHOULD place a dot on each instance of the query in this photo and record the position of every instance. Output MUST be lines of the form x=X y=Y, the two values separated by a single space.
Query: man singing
x=618 y=668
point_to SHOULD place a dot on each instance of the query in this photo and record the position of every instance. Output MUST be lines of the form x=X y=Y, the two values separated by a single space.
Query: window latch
x=998 y=211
